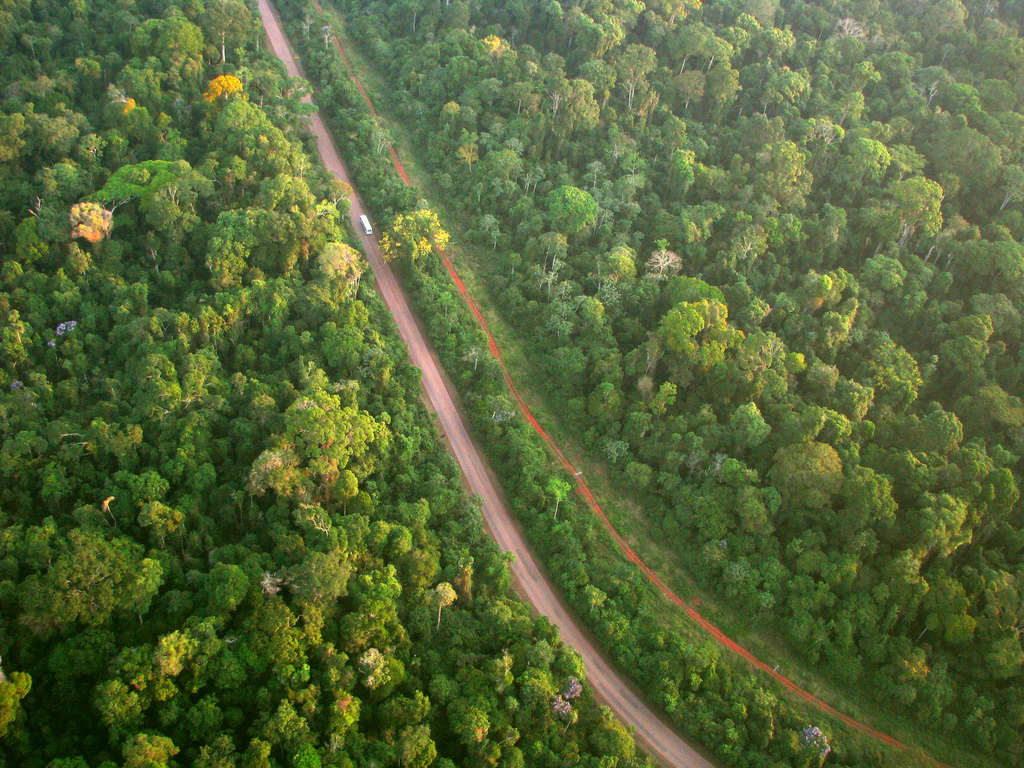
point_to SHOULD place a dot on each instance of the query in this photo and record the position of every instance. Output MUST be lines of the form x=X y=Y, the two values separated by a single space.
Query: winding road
x=654 y=735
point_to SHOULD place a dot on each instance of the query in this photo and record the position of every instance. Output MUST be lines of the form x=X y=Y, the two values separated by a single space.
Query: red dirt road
x=653 y=734
x=325 y=145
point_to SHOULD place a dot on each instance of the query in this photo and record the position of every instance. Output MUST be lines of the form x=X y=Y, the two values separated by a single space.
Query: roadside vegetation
x=781 y=309
x=229 y=534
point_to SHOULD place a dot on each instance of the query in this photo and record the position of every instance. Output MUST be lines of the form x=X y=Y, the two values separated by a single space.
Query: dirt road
x=653 y=734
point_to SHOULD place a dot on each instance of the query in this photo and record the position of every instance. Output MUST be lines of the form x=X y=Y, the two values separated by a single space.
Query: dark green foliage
x=827 y=202
x=224 y=511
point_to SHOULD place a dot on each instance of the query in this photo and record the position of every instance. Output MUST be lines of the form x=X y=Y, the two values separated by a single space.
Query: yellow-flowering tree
x=495 y=45
x=223 y=85
x=413 y=235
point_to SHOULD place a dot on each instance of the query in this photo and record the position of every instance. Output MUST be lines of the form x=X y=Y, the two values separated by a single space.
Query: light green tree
x=573 y=210
x=559 y=488
x=444 y=595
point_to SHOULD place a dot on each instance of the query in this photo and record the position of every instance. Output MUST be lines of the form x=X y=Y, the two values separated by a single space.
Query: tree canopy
x=226 y=519
x=769 y=259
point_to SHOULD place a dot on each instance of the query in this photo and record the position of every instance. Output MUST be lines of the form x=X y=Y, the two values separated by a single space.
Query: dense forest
x=229 y=534
x=769 y=257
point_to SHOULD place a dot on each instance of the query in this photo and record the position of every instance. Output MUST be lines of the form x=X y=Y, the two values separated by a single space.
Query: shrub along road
x=652 y=732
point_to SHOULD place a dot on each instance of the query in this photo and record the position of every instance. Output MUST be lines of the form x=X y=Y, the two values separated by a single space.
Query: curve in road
x=652 y=732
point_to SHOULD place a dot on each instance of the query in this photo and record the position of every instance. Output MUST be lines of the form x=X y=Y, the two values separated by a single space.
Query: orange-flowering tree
x=91 y=221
